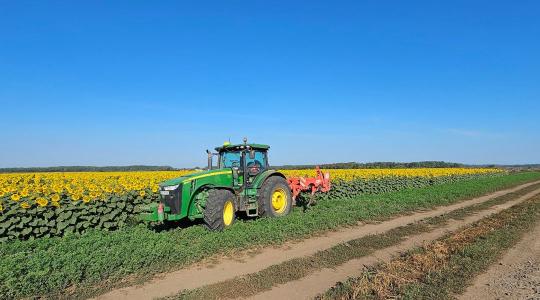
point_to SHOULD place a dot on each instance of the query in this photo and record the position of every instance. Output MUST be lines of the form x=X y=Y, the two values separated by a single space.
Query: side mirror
x=251 y=154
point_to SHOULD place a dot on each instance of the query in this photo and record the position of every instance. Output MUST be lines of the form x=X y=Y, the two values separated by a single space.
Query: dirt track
x=319 y=282
x=515 y=276
x=200 y=275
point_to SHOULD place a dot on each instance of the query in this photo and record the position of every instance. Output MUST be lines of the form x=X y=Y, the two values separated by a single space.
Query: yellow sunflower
x=24 y=193
x=25 y=205
x=42 y=201
x=55 y=197
x=15 y=197
x=142 y=193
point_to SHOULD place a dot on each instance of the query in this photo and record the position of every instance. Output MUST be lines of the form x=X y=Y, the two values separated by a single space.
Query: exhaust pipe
x=209 y=159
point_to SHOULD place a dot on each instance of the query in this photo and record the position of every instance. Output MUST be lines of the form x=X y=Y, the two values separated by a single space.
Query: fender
x=261 y=178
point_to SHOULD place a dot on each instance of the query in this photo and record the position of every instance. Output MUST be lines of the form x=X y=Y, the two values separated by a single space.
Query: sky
x=159 y=82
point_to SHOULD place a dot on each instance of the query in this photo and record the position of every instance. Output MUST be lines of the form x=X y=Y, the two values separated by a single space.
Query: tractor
x=241 y=182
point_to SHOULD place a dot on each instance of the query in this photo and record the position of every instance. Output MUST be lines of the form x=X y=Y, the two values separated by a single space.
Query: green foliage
x=49 y=265
x=107 y=214
x=113 y=212
x=354 y=188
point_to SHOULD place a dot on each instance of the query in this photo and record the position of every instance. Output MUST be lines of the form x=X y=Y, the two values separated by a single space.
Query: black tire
x=270 y=186
x=215 y=207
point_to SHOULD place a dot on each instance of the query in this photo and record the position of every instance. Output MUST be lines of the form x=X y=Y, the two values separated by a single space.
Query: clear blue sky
x=158 y=82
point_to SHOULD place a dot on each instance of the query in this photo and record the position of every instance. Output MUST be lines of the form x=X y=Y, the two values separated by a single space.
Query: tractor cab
x=246 y=161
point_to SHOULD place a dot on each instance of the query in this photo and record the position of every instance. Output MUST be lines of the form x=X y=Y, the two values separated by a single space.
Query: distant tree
x=377 y=165
x=87 y=169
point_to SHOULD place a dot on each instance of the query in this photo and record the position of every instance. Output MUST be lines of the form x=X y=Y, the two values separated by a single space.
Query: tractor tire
x=219 y=211
x=275 y=198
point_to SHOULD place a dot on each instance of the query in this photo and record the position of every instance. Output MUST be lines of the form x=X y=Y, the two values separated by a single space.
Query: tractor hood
x=193 y=176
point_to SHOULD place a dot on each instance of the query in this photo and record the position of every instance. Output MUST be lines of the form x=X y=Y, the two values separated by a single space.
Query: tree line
x=378 y=165
x=87 y=169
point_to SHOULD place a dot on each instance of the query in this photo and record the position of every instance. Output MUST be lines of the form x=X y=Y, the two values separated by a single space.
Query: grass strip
x=446 y=267
x=95 y=262
x=297 y=268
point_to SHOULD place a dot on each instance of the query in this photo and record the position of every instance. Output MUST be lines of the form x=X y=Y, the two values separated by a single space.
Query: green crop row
x=350 y=189
x=108 y=214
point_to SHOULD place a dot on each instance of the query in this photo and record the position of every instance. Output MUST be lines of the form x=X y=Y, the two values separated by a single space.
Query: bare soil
x=515 y=276
x=217 y=270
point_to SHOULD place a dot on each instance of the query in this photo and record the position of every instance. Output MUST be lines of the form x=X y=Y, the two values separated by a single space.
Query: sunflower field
x=34 y=205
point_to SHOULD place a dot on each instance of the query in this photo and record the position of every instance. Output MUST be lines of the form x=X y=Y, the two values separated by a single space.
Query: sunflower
x=86 y=199
x=55 y=197
x=42 y=201
x=142 y=193
x=25 y=205
x=24 y=193
x=15 y=197
x=155 y=188
x=57 y=189
x=55 y=204
x=1 y=207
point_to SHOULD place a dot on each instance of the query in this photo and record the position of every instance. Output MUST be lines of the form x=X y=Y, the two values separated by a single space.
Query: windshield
x=229 y=159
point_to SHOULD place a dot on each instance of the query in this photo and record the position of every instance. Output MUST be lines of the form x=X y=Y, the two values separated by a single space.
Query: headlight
x=171 y=187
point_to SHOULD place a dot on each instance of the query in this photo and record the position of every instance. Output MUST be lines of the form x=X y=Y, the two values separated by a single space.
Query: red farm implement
x=319 y=183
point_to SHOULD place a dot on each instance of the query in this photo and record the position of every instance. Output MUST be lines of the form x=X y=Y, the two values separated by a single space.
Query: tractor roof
x=231 y=147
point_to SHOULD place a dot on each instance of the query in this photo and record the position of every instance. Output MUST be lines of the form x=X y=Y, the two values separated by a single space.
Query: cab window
x=230 y=159
x=259 y=159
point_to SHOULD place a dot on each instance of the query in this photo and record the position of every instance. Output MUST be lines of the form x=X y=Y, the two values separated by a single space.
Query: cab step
x=252 y=211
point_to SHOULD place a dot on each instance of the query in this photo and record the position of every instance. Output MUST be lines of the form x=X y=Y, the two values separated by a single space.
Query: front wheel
x=275 y=199
x=219 y=210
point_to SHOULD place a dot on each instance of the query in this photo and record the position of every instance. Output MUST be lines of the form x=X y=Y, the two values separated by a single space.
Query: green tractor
x=242 y=182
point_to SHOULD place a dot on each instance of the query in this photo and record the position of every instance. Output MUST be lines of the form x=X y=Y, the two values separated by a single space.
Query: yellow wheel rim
x=228 y=213
x=279 y=201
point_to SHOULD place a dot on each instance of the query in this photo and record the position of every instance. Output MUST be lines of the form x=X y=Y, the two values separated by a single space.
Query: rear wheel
x=275 y=199
x=219 y=210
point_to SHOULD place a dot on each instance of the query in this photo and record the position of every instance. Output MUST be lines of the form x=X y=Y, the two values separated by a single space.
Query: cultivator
x=319 y=183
